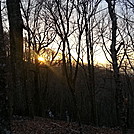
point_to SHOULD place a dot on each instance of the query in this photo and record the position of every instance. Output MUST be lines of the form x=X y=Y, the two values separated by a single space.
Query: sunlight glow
x=41 y=59
x=101 y=59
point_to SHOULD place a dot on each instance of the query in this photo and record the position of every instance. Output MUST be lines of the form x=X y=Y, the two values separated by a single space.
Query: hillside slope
x=50 y=126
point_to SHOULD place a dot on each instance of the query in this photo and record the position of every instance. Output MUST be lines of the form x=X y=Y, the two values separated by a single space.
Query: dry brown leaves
x=48 y=126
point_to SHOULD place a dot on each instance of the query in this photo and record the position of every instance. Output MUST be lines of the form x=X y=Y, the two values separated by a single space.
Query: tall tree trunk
x=90 y=60
x=16 y=48
x=37 y=99
x=4 y=104
x=120 y=105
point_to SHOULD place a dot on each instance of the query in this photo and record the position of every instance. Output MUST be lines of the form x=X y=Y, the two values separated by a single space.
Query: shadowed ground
x=49 y=126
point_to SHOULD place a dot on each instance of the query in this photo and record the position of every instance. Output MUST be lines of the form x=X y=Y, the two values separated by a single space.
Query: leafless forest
x=67 y=65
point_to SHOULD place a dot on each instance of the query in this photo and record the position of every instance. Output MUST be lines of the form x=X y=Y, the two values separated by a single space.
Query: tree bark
x=4 y=104
x=120 y=105
x=16 y=50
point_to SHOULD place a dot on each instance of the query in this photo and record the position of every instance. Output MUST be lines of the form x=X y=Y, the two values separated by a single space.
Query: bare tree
x=39 y=35
x=120 y=107
x=16 y=50
x=90 y=9
x=4 y=101
x=65 y=25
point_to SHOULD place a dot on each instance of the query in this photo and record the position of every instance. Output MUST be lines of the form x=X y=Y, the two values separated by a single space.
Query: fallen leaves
x=49 y=126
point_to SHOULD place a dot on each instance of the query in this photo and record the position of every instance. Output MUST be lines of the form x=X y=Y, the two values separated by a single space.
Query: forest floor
x=49 y=126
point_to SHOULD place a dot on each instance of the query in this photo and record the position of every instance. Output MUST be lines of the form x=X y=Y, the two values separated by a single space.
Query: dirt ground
x=49 y=126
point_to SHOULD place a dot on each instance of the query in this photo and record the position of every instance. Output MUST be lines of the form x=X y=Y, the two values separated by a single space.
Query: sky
x=99 y=56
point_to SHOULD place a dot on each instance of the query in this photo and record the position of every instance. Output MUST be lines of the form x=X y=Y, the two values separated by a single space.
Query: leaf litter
x=40 y=125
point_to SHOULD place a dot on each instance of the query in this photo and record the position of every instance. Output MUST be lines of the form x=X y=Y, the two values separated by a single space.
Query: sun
x=41 y=59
